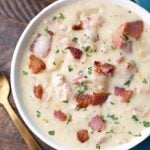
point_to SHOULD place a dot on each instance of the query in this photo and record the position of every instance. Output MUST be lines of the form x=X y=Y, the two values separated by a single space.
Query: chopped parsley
x=38 y=114
x=54 y=18
x=66 y=101
x=89 y=70
x=146 y=124
x=136 y=135
x=128 y=82
x=75 y=40
x=46 y=29
x=69 y=119
x=135 y=118
x=112 y=103
x=52 y=133
x=82 y=87
x=25 y=72
x=145 y=81
x=70 y=68
x=54 y=63
x=61 y=16
x=86 y=48
x=98 y=146
x=57 y=51
x=111 y=131
x=126 y=37
x=113 y=47
x=113 y=117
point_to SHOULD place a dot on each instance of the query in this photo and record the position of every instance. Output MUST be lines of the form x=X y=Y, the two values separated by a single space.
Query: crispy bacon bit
x=105 y=69
x=123 y=93
x=38 y=91
x=76 y=53
x=78 y=26
x=134 y=29
x=83 y=100
x=36 y=65
x=118 y=40
x=60 y=115
x=99 y=98
x=97 y=66
x=97 y=124
x=82 y=136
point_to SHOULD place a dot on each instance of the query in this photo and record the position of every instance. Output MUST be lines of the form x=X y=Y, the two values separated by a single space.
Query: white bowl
x=17 y=56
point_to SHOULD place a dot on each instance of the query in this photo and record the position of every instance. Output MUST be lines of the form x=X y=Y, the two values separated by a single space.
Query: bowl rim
x=14 y=65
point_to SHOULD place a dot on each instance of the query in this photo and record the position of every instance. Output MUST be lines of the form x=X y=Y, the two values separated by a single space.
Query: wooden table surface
x=14 y=16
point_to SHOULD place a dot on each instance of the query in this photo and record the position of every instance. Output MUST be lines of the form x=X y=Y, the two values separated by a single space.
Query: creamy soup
x=85 y=76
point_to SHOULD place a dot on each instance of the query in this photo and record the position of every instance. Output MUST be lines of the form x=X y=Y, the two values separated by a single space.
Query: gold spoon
x=4 y=92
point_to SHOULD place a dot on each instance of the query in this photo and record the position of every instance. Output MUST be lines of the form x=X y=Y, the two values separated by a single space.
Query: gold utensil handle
x=30 y=141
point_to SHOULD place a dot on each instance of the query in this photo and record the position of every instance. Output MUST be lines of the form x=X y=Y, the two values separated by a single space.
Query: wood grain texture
x=14 y=16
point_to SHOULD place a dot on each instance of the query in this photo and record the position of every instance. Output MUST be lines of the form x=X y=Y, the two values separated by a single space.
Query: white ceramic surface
x=17 y=56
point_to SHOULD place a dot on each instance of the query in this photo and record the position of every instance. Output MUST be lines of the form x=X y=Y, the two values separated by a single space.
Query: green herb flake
x=98 y=146
x=61 y=16
x=82 y=87
x=145 y=81
x=89 y=70
x=135 y=118
x=66 y=101
x=75 y=40
x=146 y=124
x=54 y=63
x=128 y=82
x=70 y=68
x=112 y=103
x=126 y=37
x=54 y=18
x=52 y=133
x=113 y=117
x=136 y=135
x=25 y=73
x=111 y=131
x=86 y=48
x=113 y=47
x=46 y=29
x=38 y=114
x=69 y=119
x=57 y=51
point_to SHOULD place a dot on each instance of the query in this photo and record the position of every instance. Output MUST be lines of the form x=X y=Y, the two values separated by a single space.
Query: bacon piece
x=118 y=39
x=123 y=93
x=38 y=91
x=99 y=98
x=41 y=46
x=127 y=46
x=105 y=69
x=83 y=136
x=83 y=100
x=78 y=26
x=60 y=115
x=97 y=124
x=36 y=65
x=134 y=29
x=131 y=67
x=76 y=53
x=97 y=66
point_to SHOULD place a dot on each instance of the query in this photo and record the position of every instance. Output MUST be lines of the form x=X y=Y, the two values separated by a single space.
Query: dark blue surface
x=143 y=146
x=146 y=144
